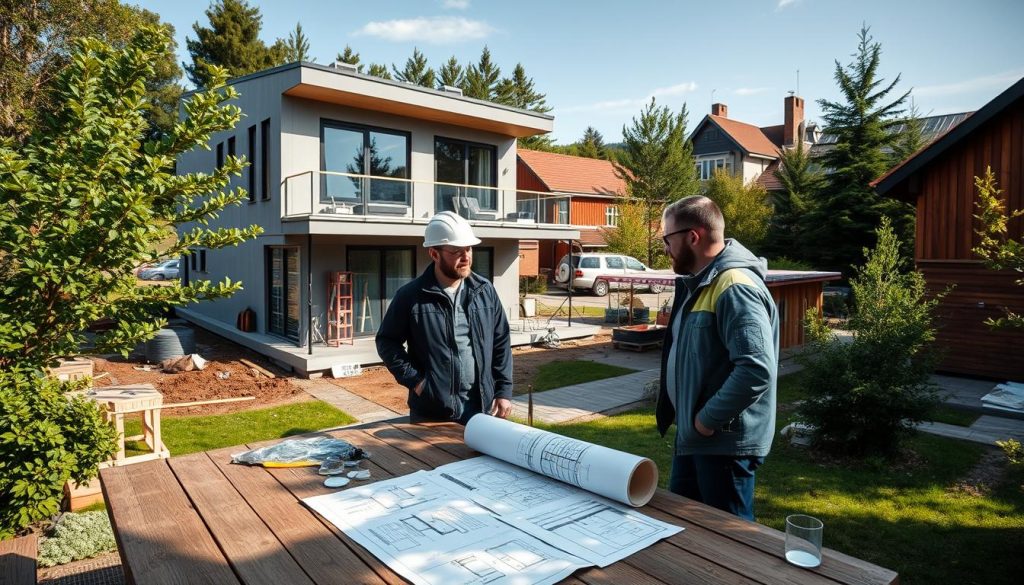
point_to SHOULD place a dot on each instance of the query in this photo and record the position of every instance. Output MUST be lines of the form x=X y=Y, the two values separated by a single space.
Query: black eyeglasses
x=665 y=237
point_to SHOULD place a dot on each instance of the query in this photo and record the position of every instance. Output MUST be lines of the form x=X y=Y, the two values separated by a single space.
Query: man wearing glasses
x=445 y=336
x=719 y=361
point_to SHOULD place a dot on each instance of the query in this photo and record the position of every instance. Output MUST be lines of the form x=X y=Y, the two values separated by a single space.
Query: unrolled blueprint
x=429 y=534
x=588 y=526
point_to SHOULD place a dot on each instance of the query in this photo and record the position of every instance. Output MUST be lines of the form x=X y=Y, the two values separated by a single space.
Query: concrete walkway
x=362 y=409
x=581 y=401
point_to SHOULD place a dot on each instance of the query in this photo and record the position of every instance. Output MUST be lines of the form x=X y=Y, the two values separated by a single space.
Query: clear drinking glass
x=803 y=540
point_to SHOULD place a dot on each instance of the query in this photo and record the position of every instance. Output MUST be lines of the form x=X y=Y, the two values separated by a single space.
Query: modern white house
x=346 y=170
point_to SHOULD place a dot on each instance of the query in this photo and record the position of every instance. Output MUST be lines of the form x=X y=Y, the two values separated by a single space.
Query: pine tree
x=297 y=46
x=848 y=210
x=232 y=42
x=379 y=70
x=801 y=181
x=416 y=70
x=910 y=136
x=592 y=144
x=518 y=91
x=657 y=164
x=450 y=74
x=481 y=81
x=351 y=57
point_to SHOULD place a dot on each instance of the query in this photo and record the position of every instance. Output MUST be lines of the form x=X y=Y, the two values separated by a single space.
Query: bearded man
x=445 y=336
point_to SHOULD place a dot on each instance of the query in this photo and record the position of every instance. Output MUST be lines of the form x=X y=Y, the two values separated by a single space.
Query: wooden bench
x=18 y=560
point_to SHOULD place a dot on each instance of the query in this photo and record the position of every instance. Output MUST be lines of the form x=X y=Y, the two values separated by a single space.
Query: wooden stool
x=122 y=400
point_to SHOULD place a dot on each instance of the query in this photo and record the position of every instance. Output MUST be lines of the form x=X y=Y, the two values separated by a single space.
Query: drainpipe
x=572 y=274
x=309 y=292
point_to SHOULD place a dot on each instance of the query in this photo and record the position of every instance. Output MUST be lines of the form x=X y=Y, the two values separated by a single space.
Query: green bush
x=77 y=536
x=1013 y=449
x=46 y=438
x=784 y=263
x=533 y=285
x=866 y=394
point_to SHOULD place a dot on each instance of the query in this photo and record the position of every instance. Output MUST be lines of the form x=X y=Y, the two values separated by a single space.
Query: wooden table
x=200 y=519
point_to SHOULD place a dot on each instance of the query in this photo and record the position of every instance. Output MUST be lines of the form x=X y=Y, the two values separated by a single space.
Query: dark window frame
x=252 y=164
x=220 y=155
x=490 y=250
x=465 y=164
x=264 y=160
x=365 y=129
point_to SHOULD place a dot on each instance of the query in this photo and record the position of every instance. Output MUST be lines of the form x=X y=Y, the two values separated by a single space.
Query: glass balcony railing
x=326 y=194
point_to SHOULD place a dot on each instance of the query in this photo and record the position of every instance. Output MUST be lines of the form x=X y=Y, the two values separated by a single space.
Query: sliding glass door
x=378 y=274
x=283 y=297
x=378 y=155
x=465 y=163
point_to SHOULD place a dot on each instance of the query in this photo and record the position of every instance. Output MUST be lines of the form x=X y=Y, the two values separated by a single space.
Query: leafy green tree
x=481 y=81
x=297 y=46
x=630 y=235
x=416 y=71
x=351 y=57
x=83 y=201
x=843 y=221
x=592 y=144
x=801 y=181
x=36 y=39
x=657 y=165
x=450 y=74
x=867 y=394
x=379 y=70
x=232 y=42
x=997 y=249
x=910 y=136
x=745 y=207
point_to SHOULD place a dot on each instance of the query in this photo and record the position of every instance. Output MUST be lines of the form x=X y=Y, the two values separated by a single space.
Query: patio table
x=200 y=519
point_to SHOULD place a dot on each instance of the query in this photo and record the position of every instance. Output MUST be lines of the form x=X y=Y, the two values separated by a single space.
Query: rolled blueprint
x=622 y=477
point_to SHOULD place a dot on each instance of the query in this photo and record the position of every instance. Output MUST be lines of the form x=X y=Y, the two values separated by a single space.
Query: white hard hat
x=448 y=229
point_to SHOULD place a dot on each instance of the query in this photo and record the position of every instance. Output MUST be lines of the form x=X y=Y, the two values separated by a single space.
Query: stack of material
x=1008 y=397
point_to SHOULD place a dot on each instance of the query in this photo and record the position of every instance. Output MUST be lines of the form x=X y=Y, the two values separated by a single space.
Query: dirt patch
x=986 y=474
x=378 y=385
x=222 y=356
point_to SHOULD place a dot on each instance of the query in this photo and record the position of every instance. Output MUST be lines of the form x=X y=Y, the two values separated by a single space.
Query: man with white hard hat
x=445 y=336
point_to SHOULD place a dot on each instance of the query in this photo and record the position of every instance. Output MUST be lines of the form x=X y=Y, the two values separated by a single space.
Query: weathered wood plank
x=835 y=565
x=18 y=560
x=256 y=554
x=323 y=557
x=158 y=532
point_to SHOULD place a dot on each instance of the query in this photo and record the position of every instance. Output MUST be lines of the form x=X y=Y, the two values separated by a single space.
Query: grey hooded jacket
x=726 y=364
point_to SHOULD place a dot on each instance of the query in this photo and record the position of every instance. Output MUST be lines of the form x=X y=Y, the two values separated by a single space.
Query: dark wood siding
x=967 y=344
x=712 y=140
x=527 y=180
x=793 y=300
x=945 y=189
x=589 y=211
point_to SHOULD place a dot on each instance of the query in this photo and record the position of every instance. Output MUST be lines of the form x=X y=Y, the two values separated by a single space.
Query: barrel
x=170 y=342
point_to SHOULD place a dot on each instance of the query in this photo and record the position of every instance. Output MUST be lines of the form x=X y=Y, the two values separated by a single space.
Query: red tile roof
x=749 y=137
x=573 y=174
x=768 y=180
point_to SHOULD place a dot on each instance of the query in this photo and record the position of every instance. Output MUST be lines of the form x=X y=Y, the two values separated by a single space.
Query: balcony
x=334 y=196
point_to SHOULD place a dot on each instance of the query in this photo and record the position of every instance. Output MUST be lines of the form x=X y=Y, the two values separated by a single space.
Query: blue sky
x=599 y=61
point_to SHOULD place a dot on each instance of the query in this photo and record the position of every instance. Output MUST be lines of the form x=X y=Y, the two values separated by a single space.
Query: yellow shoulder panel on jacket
x=709 y=296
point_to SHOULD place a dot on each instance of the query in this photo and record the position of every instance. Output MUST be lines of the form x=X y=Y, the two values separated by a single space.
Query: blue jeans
x=721 y=481
x=470 y=406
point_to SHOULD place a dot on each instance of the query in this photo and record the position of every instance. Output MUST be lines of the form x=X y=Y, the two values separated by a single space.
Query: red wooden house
x=939 y=179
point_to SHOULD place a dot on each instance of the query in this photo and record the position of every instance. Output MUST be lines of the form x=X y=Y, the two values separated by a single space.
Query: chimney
x=794 y=120
x=720 y=110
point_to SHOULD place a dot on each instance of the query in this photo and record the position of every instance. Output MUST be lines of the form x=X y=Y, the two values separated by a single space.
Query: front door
x=283 y=288
x=378 y=274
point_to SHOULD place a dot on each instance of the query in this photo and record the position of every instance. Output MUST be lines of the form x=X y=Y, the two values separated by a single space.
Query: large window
x=466 y=163
x=283 y=292
x=379 y=156
x=706 y=168
x=483 y=262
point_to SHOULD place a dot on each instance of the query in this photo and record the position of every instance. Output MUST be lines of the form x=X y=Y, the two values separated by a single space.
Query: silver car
x=587 y=267
x=165 y=270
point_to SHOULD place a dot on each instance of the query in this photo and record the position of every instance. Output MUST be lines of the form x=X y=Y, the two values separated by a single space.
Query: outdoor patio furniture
x=202 y=517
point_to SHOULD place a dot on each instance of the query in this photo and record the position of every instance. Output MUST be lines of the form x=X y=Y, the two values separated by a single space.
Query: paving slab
x=362 y=409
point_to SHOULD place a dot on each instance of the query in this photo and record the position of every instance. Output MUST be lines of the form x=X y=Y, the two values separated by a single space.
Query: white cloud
x=783 y=4
x=633 y=103
x=987 y=83
x=435 y=30
x=455 y=4
x=751 y=90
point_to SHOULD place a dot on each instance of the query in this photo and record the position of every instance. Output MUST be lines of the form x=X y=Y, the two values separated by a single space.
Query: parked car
x=160 y=271
x=588 y=266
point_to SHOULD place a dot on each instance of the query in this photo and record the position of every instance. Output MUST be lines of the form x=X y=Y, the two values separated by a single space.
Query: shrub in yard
x=533 y=285
x=866 y=394
x=84 y=200
x=46 y=438
x=77 y=536
x=1013 y=449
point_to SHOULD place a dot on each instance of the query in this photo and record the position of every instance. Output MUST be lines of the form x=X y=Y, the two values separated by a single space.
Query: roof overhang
x=326 y=225
x=325 y=84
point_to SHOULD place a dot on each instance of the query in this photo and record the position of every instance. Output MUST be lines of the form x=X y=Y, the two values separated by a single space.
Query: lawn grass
x=577 y=310
x=905 y=515
x=953 y=416
x=559 y=373
x=191 y=434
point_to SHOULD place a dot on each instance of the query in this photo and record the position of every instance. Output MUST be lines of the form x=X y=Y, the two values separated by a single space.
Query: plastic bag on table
x=300 y=453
